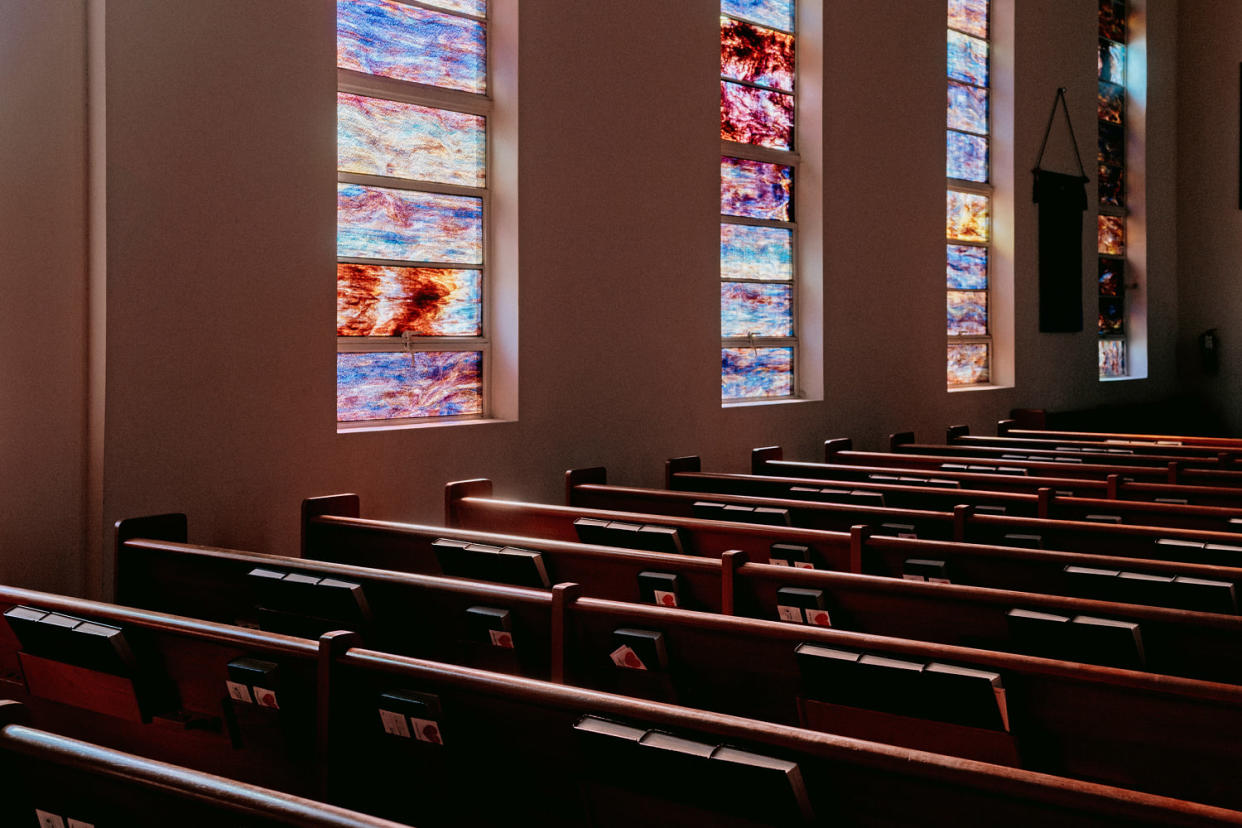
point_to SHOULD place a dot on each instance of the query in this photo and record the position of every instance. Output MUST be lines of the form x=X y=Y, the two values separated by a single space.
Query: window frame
x=481 y=104
x=984 y=188
x=791 y=158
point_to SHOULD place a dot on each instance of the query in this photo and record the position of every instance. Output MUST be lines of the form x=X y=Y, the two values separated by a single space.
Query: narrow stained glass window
x=757 y=232
x=410 y=321
x=394 y=385
x=969 y=201
x=756 y=373
x=1111 y=187
x=409 y=43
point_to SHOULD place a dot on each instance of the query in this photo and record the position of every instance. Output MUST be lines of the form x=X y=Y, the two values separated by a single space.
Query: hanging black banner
x=1062 y=200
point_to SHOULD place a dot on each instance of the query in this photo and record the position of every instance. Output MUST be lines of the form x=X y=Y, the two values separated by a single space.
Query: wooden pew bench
x=685 y=474
x=587 y=488
x=1062 y=714
x=769 y=460
x=840 y=451
x=1223 y=456
x=904 y=443
x=64 y=781
x=331 y=531
x=1026 y=428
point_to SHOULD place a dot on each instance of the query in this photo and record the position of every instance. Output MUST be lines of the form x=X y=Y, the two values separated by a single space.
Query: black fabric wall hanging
x=1062 y=201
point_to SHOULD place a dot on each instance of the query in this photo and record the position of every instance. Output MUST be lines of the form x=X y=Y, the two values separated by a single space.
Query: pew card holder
x=83 y=664
x=306 y=606
x=640 y=665
x=905 y=703
x=625 y=768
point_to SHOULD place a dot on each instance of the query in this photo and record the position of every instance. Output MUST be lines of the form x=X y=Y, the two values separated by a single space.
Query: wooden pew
x=64 y=781
x=960 y=435
x=587 y=488
x=173 y=704
x=516 y=739
x=839 y=451
x=1176 y=642
x=769 y=460
x=750 y=667
x=524 y=744
x=684 y=474
x=1027 y=426
x=715 y=585
x=904 y=443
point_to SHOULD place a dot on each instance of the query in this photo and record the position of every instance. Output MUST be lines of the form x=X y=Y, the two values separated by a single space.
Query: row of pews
x=876 y=639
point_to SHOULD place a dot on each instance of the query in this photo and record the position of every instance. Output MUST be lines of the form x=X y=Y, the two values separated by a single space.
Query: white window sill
x=757 y=403
x=966 y=389
x=380 y=425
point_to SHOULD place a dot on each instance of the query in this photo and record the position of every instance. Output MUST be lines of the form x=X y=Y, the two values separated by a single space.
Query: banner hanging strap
x=1060 y=100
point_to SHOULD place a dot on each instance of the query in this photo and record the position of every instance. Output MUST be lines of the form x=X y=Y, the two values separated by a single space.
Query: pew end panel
x=835 y=446
x=760 y=457
x=898 y=439
x=574 y=478
x=953 y=432
x=338 y=505
x=454 y=492
x=1003 y=427
x=676 y=465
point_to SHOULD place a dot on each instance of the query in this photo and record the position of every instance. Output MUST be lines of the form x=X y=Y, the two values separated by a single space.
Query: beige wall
x=42 y=291
x=220 y=221
x=1210 y=233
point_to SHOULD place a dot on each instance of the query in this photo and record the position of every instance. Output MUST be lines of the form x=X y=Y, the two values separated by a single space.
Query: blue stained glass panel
x=968 y=59
x=476 y=7
x=967 y=157
x=753 y=253
x=1111 y=102
x=756 y=373
x=968 y=108
x=968 y=364
x=400 y=140
x=968 y=312
x=968 y=267
x=1112 y=144
x=395 y=40
x=778 y=14
x=761 y=309
x=756 y=189
x=1112 y=275
x=1112 y=315
x=1112 y=62
x=407 y=225
x=1111 y=186
x=395 y=384
x=749 y=115
x=970 y=16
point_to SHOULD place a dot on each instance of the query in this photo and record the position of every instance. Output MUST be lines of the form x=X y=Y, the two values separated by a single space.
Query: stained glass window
x=412 y=123
x=758 y=167
x=968 y=207
x=1111 y=187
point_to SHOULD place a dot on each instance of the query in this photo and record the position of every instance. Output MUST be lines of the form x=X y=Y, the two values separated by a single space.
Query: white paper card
x=265 y=698
x=47 y=820
x=665 y=599
x=804 y=565
x=501 y=638
x=77 y=823
x=624 y=656
x=426 y=730
x=239 y=692
x=394 y=724
x=818 y=618
x=793 y=614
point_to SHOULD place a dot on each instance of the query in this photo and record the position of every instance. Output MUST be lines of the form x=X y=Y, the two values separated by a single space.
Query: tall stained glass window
x=968 y=225
x=412 y=201
x=758 y=168
x=1112 y=189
